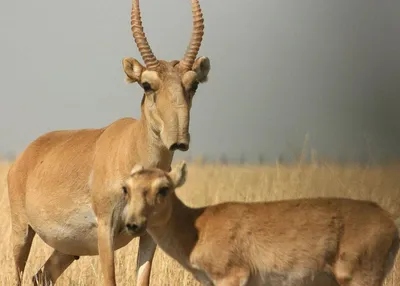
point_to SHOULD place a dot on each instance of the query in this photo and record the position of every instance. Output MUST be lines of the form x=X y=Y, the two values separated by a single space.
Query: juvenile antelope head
x=148 y=194
x=169 y=86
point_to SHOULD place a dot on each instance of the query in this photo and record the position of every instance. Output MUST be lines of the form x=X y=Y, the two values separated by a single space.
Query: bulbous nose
x=182 y=146
x=136 y=227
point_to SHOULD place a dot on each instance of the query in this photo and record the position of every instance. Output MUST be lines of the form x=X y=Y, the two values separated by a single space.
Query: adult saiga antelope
x=316 y=241
x=66 y=185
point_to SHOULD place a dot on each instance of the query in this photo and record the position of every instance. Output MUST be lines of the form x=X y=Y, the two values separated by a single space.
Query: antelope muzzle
x=136 y=228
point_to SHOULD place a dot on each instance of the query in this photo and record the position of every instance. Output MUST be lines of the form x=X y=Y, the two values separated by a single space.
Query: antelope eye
x=146 y=86
x=125 y=190
x=163 y=191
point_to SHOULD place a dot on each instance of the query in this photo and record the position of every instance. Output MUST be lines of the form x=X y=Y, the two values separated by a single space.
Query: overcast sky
x=279 y=70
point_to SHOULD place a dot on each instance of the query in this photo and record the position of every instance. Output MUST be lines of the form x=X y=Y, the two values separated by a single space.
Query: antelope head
x=169 y=86
x=148 y=196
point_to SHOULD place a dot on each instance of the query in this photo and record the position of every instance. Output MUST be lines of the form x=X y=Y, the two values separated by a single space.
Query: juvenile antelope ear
x=136 y=169
x=133 y=70
x=202 y=67
x=178 y=174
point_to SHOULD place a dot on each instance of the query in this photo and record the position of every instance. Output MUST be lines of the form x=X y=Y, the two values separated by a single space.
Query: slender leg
x=106 y=252
x=21 y=233
x=103 y=204
x=56 y=264
x=22 y=237
x=147 y=248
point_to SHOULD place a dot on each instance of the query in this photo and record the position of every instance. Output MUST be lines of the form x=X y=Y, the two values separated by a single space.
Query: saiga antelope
x=315 y=241
x=66 y=185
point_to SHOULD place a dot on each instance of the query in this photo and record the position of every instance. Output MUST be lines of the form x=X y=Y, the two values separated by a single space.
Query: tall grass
x=211 y=184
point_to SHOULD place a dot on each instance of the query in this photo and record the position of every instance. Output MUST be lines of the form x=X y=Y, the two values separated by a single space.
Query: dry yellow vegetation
x=211 y=184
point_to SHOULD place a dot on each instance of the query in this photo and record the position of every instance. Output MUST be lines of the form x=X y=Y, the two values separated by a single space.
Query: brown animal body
x=314 y=241
x=65 y=186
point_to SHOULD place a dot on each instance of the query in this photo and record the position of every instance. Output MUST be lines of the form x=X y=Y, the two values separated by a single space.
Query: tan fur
x=315 y=241
x=66 y=185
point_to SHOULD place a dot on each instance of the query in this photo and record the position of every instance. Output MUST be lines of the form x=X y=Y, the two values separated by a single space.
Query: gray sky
x=279 y=70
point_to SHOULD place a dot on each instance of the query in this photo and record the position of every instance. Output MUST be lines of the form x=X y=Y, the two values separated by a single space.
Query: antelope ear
x=202 y=67
x=178 y=174
x=136 y=169
x=133 y=70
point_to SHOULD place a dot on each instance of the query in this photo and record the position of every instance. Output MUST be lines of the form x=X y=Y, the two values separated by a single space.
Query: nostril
x=183 y=146
x=179 y=146
x=132 y=226
x=174 y=147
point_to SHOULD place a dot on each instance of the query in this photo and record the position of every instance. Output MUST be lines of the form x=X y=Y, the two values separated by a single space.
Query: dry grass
x=211 y=184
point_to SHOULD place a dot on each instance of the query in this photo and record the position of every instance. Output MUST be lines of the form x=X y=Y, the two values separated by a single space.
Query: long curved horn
x=197 y=36
x=140 y=38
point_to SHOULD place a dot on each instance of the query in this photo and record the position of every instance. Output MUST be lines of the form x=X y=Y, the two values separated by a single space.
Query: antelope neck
x=149 y=146
x=178 y=236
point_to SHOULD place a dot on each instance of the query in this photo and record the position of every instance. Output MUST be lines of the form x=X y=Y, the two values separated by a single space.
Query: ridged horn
x=197 y=36
x=148 y=57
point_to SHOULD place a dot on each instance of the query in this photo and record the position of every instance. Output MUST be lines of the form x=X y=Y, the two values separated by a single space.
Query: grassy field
x=211 y=184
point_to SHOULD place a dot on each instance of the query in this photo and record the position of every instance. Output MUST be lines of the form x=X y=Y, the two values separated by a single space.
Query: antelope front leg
x=106 y=252
x=147 y=248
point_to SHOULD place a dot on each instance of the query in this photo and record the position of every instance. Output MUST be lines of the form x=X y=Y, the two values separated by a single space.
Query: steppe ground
x=217 y=183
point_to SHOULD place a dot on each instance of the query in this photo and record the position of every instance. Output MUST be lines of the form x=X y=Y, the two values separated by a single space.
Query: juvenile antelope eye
x=163 y=191
x=146 y=86
x=124 y=190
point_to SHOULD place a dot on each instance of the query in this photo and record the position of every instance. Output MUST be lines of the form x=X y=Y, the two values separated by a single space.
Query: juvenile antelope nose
x=136 y=227
x=132 y=227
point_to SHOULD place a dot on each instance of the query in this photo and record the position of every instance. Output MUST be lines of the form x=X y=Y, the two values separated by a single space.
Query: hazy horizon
x=279 y=70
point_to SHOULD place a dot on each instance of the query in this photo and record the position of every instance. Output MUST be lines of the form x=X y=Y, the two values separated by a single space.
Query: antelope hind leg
x=21 y=237
x=55 y=265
